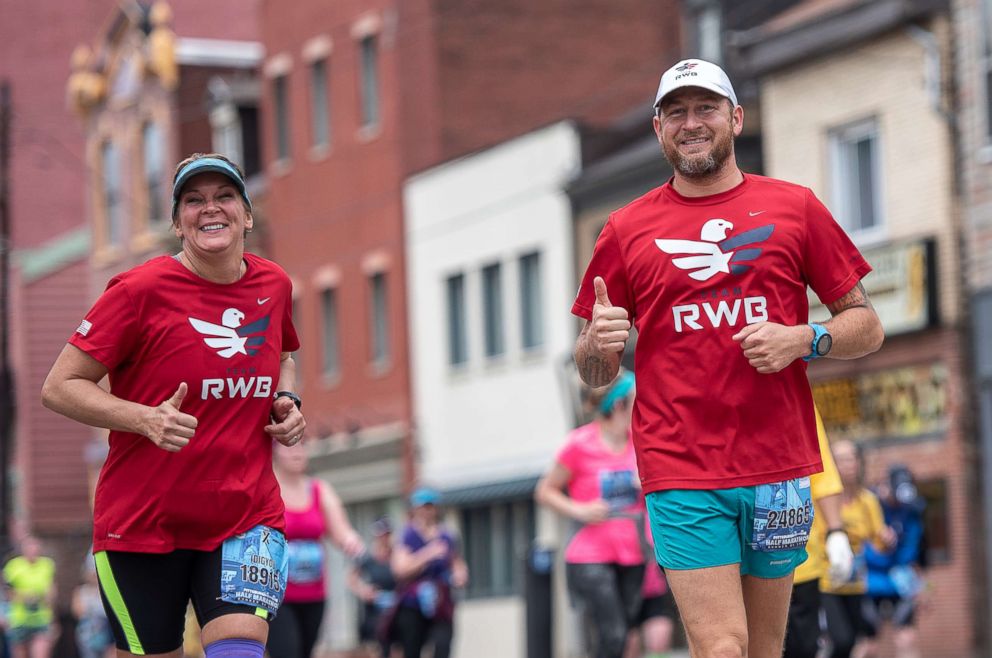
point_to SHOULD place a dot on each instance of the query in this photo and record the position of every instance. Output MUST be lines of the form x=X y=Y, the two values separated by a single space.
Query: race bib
x=306 y=561
x=253 y=569
x=783 y=514
x=617 y=488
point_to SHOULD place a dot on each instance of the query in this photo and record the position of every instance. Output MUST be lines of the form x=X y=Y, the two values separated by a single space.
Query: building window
x=370 y=81
x=319 y=104
x=153 y=159
x=492 y=309
x=250 y=151
x=225 y=125
x=531 y=329
x=329 y=315
x=113 y=210
x=379 y=320
x=936 y=547
x=457 y=333
x=497 y=538
x=280 y=100
x=708 y=25
x=856 y=177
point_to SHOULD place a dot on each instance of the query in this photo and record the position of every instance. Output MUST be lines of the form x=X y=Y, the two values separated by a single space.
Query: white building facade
x=490 y=269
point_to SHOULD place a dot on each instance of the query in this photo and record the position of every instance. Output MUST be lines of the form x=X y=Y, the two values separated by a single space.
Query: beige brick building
x=856 y=104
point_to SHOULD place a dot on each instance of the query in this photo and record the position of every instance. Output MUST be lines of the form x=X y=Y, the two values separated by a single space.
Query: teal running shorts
x=763 y=528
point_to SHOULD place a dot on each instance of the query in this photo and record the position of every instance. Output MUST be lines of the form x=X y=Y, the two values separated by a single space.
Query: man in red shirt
x=712 y=268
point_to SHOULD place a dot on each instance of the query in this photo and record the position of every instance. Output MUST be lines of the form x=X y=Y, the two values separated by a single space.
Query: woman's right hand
x=594 y=511
x=167 y=427
x=436 y=549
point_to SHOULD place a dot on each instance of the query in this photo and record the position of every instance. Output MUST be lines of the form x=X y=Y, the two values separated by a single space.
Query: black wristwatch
x=833 y=530
x=292 y=396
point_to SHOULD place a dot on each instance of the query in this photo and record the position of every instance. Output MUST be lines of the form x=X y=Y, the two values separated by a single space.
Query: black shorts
x=145 y=596
x=662 y=605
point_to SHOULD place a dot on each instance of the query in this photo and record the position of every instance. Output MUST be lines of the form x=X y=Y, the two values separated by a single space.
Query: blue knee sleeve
x=234 y=649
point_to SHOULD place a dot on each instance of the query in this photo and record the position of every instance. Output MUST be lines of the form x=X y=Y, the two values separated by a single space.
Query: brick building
x=856 y=104
x=46 y=201
x=973 y=71
x=359 y=95
x=105 y=99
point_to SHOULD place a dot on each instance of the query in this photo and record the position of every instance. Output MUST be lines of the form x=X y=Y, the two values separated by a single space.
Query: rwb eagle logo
x=229 y=337
x=715 y=251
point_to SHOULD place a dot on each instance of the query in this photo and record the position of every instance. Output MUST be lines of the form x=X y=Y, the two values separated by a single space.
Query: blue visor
x=424 y=496
x=620 y=389
x=204 y=165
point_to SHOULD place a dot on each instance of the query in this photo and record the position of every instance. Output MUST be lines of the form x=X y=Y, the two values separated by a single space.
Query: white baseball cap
x=695 y=73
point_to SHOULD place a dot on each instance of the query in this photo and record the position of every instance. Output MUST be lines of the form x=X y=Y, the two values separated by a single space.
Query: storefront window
x=895 y=404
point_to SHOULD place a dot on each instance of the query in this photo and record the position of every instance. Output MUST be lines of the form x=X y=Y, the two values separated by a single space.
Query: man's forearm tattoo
x=595 y=370
x=856 y=298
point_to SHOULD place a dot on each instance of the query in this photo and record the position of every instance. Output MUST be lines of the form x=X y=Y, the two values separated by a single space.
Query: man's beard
x=700 y=166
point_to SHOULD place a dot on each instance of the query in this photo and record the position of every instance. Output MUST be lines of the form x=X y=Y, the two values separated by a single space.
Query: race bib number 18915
x=253 y=569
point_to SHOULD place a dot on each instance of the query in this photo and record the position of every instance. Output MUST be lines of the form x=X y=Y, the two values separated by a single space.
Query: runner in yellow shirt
x=30 y=581
x=829 y=554
x=863 y=522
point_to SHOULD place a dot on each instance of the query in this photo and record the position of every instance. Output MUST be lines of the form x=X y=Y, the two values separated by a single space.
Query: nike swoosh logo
x=754 y=214
x=262 y=300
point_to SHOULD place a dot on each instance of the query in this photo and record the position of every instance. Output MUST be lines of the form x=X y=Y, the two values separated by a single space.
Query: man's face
x=696 y=129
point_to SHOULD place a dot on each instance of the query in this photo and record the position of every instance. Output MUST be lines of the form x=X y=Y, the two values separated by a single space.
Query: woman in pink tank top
x=314 y=514
x=594 y=482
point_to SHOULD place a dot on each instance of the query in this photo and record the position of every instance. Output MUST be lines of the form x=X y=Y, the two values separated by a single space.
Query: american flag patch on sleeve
x=84 y=327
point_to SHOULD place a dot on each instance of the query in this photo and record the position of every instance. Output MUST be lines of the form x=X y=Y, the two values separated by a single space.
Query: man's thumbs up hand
x=609 y=328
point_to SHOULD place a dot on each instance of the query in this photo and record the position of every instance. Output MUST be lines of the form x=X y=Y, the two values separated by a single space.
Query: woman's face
x=846 y=458
x=426 y=513
x=31 y=548
x=290 y=459
x=211 y=218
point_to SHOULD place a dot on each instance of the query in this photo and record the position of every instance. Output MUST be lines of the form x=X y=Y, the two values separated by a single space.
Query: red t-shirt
x=154 y=327
x=692 y=272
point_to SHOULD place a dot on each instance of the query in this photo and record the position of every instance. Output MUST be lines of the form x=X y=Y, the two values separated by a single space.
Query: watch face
x=823 y=344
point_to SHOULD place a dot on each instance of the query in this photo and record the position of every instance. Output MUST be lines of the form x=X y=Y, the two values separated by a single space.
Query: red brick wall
x=47 y=199
x=339 y=208
x=48 y=175
x=454 y=77
x=49 y=449
x=236 y=20
x=947 y=626
x=511 y=65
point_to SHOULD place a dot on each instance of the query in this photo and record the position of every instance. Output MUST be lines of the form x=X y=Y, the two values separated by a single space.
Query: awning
x=493 y=492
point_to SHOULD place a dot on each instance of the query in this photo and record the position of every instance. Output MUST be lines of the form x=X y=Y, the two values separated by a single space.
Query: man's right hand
x=609 y=328
x=169 y=428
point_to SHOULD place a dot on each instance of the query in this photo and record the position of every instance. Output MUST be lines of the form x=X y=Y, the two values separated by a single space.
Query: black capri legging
x=610 y=596
x=293 y=633
x=845 y=622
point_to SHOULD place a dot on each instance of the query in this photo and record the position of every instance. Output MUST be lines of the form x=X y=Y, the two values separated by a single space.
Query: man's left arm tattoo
x=855 y=298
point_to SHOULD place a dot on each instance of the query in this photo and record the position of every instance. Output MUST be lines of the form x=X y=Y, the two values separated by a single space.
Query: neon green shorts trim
x=696 y=529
